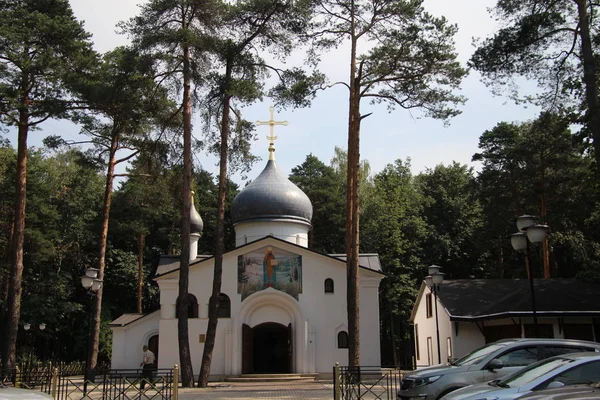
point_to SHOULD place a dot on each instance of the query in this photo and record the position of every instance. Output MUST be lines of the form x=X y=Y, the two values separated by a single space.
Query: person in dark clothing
x=147 y=365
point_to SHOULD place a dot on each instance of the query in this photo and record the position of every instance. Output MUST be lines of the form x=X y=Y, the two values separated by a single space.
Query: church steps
x=272 y=378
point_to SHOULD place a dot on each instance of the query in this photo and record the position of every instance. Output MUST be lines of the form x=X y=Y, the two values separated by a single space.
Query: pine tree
x=43 y=50
x=410 y=62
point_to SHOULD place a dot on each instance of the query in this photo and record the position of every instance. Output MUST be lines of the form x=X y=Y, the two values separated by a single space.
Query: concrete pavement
x=268 y=390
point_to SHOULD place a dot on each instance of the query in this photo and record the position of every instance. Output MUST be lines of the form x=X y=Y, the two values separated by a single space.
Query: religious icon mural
x=270 y=267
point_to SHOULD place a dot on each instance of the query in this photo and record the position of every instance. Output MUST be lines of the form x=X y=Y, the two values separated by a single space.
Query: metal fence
x=27 y=376
x=121 y=384
x=370 y=383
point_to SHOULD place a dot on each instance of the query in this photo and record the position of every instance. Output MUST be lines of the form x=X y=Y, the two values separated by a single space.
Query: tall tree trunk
x=589 y=76
x=501 y=262
x=94 y=339
x=16 y=271
x=351 y=207
x=185 y=358
x=213 y=305
x=354 y=281
x=140 y=282
x=543 y=212
x=393 y=334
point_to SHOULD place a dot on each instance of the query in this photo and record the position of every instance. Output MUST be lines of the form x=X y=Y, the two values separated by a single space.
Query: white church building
x=282 y=307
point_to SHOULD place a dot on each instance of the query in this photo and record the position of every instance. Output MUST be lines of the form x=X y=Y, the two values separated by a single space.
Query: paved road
x=283 y=391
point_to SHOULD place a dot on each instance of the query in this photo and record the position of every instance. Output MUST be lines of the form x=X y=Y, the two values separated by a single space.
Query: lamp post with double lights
x=26 y=328
x=90 y=282
x=529 y=232
x=433 y=282
x=31 y=342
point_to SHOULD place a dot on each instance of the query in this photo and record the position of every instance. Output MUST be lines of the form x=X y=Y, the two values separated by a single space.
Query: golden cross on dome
x=271 y=138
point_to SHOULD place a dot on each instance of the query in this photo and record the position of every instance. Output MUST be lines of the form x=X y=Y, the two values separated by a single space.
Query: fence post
x=175 y=382
x=17 y=381
x=54 y=382
x=336 y=381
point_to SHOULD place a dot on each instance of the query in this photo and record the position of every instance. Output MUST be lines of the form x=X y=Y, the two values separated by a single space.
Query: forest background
x=449 y=215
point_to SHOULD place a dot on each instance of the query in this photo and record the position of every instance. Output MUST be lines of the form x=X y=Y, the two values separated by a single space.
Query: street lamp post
x=42 y=327
x=27 y=327
x=529 y=232
x=433 y=282
x=30 y=343
x=90 y=282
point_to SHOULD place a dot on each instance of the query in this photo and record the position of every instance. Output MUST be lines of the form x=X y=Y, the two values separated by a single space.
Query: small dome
x=271 y=196
x=196 y=223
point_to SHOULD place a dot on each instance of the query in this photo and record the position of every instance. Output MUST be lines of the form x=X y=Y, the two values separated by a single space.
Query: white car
x=555 y=372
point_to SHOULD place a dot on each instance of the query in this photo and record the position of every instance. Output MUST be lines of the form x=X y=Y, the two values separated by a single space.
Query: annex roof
x=481 y=299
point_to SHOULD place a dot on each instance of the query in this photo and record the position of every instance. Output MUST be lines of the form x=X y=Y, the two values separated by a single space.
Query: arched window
x=192 y=304
x=328 y=285
x=224 y=306
x=342 y=340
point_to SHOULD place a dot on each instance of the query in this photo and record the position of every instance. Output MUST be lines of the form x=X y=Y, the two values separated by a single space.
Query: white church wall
x=323 y=314
x=326 y=311
x=169 y=344
x=128 y=341
x=289 y=231
x=370 y=351
x=270 y=313
x=119 y=343
x=168 y=297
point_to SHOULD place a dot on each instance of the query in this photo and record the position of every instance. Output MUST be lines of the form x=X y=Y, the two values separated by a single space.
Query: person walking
x=147 y=365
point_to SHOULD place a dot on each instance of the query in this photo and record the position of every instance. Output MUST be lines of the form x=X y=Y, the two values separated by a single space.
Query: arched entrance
x=265 y=307
x=267 y=349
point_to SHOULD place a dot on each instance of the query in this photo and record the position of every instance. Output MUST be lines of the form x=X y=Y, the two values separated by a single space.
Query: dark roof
x=127 y=319
x=478 y=299
x=169 y=262
x=271 y=197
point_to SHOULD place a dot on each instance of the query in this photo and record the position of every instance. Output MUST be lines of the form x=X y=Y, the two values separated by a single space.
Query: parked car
x=551 y=373
x=579 y=392
x=11 y=393
x=492 y=361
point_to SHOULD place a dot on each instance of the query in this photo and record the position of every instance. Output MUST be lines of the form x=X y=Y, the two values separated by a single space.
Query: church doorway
x=153 y=347
x=267 y=349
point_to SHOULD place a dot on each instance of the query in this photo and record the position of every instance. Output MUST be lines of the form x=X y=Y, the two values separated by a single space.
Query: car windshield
x=534 y=371
x=476 y=356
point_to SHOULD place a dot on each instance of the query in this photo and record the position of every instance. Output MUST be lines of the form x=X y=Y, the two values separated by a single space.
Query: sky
x=385 y=136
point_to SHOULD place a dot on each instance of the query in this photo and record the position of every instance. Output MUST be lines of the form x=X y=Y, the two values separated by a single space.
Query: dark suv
x=489 y=362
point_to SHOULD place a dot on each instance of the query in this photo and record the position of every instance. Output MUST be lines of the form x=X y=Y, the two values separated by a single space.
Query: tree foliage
x=553 y=43
x=43 y=50
x=325 y=191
